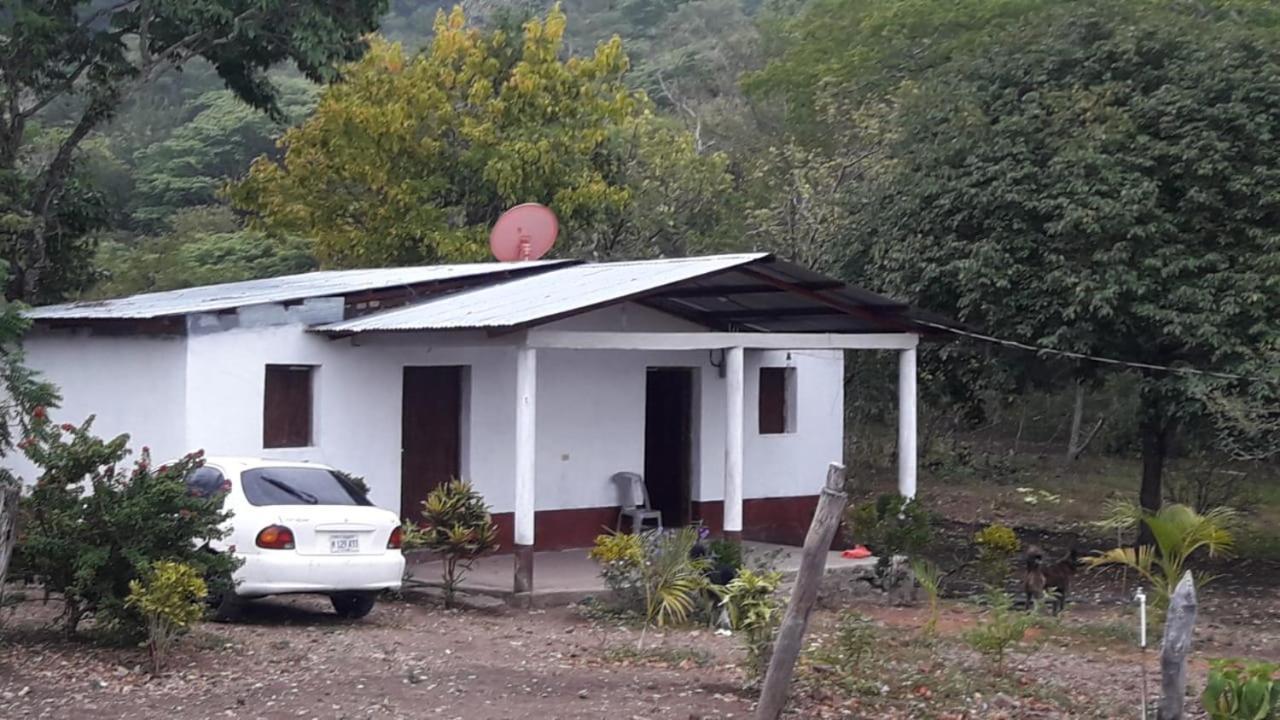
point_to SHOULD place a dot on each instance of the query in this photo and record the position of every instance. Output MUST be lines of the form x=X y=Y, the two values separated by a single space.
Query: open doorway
x=668 y=443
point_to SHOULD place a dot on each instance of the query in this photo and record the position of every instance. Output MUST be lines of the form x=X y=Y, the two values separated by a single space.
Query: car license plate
x=344 y=544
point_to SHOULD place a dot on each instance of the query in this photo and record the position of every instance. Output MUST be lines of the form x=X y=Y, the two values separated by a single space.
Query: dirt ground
x=291 y=658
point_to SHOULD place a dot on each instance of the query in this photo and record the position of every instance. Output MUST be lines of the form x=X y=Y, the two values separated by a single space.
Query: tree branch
x=65 y=87
x=697 y=121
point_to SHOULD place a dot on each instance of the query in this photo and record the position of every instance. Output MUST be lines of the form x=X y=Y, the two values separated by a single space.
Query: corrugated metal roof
x=563 y=291
x=226 y=296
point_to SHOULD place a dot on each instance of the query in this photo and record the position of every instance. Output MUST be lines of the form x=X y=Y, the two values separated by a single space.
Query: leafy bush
x=842 y=660
x=1002 y=629
x=997 y=546
x=621 y=556
x=1237 y=690
x=657 y=575
x=892 y=525
x=1204 y=487
x=854 y=638
x=355 y=481
x=725 y=553
x=169 y=600
x=754 y=609
x=457 y=525
x=1179 y=533
x=91 y=527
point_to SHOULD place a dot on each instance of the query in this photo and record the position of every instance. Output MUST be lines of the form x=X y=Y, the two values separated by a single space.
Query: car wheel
x=353 y=605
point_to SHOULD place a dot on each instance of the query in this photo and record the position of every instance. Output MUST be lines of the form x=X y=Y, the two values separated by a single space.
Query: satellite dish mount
x=525 y=232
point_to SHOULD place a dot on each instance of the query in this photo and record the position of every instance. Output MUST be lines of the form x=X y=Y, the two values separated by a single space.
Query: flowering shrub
x=997 y=545
x=621 y=558
x=92 y=527
x=169 y=600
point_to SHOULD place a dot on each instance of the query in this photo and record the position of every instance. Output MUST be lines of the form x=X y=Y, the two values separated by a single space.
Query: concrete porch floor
x=561 y=577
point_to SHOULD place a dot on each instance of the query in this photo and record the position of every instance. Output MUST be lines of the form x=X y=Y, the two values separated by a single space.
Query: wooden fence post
x=10 y=492
x=813 y=562
x=1178 y=625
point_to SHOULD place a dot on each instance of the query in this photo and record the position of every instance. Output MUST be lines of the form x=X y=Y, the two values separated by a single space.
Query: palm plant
x=930 y=578
x=671 y=579
x=1179 y=532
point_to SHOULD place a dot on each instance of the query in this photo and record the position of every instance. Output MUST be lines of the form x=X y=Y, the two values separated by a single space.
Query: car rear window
x=299 y=486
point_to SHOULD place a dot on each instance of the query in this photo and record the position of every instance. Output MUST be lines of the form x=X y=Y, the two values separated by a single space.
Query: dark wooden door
x=430 y=433
x=668 y=442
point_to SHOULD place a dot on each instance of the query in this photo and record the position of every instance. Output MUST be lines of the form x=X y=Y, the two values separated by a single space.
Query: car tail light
x=396 y=539
x=275 y=537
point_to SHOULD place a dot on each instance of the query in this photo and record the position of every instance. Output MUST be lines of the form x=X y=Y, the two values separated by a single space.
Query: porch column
x=735 y=405
x=526 y=412
x=907 y=423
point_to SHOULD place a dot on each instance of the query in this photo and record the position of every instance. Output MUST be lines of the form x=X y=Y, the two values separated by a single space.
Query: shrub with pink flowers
x=93 y=523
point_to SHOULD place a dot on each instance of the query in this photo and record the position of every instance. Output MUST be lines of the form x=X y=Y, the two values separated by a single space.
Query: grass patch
x=671 y=656
x=1108 y=632
x=1258 y=543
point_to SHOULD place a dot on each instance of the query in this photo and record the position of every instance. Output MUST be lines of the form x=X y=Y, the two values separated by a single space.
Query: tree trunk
x=1178 y=626
x=813 y=562
x=1154 y=430
x=9 y=494
x=1077 y=417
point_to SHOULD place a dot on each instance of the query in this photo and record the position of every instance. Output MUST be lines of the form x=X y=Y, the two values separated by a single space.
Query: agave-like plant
x=1179 y=532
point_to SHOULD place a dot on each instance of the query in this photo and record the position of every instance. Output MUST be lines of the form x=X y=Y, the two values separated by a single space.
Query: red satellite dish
x=525 y=232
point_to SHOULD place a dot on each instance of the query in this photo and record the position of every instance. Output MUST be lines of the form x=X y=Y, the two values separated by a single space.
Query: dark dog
x=1054 y=580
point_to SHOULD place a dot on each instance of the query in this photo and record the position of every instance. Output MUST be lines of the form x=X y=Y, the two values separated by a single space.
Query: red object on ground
x=856 y=553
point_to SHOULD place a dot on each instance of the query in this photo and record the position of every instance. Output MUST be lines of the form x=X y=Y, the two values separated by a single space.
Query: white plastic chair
x=634 y=502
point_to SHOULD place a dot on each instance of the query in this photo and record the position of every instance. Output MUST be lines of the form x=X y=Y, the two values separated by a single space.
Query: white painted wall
x=357 y=396
x=130 y=384
x=796 y=463
x=590 y=407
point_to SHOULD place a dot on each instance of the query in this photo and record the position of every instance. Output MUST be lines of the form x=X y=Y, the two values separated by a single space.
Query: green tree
x=193 y=164
x=90 y=55
x=1103 y=181
x=202 y=245
x=412 y=158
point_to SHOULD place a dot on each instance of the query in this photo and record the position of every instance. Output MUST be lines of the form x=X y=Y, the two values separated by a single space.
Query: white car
x=301 y=527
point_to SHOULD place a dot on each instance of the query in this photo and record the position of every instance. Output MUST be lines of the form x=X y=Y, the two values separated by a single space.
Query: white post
x=735 y=406
x=907 y=423
x=526 y=446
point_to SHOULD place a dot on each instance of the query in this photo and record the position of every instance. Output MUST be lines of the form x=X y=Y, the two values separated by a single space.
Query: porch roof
x=752 y=292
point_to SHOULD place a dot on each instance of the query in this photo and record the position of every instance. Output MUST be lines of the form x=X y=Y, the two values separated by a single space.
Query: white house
x=719 y=379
